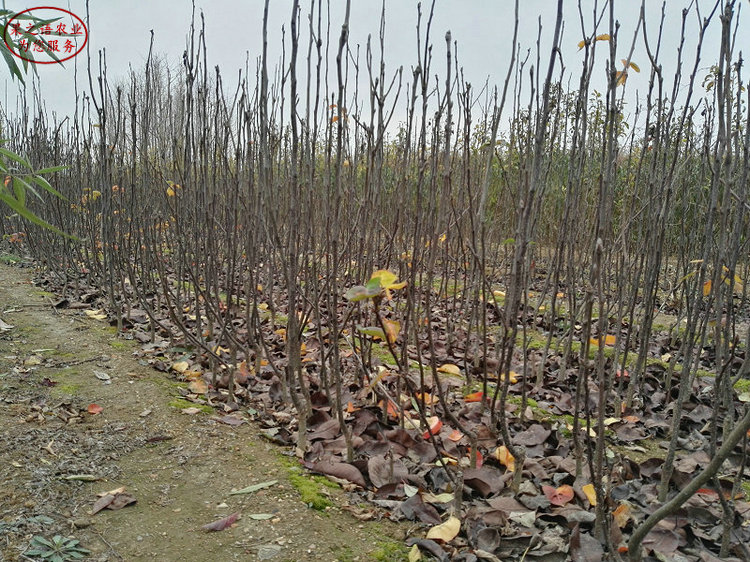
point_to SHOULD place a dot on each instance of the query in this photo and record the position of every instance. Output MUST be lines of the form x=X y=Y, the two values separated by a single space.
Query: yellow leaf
x=707 y=288
x=502 y=454
x=414 y=554
x=180 y=366
x=498 y=294
x=588 y=489
x=621 y=77
x=96 y=314
x=450 y=369
x=170 y=192
x=447 y=531
x=602 y=37
x=635 y=67
x=95 y=195
x=385 y=277
x=512 y=376
x=581 y=44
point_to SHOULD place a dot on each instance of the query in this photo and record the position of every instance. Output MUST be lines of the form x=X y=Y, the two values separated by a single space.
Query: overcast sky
x=482 y=29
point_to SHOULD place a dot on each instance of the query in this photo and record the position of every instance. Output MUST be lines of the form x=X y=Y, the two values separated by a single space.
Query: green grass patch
x=390 y=551
x=121 y=345
x=181 y=404
x=10 y=259
x=311 y=488
x=69 y=389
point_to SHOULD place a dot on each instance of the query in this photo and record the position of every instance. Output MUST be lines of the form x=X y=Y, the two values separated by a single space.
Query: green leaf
x=28 y=215
x=16 y=158
x=372 y=331
x=38 y=539
x=52 y=170
x=254 y=488
x=360 y=293
x=44 y=184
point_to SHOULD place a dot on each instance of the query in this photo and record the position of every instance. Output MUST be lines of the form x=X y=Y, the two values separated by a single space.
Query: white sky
x=482 y=28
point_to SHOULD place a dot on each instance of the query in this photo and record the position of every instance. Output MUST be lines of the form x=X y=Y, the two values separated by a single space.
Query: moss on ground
x=311 y=488
x=121 y=345
x=181 y=404
x=390 y=551
x=68 y=389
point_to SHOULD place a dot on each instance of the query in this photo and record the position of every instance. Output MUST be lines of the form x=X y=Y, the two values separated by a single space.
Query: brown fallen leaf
x=114 y=500
x=340 y=470
x=221 y=524
x=102 y=503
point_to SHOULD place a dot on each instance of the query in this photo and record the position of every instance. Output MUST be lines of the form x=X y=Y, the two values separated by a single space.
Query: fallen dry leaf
x=450 y=369
x=180 y=366
x=198 y=386
x=222 y=524
x=558 y=496
x=94 y=409
x=506 y=459
x=447 y=531
x=590 y=492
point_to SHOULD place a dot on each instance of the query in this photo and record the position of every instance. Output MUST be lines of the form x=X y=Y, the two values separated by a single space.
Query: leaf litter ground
x=180 y=470
x=399 y=469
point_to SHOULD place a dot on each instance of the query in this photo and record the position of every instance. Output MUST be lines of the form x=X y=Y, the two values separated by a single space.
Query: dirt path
x=179 y=467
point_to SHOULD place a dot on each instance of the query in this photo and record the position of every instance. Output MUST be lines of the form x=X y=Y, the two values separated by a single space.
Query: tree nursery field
x=283 y=322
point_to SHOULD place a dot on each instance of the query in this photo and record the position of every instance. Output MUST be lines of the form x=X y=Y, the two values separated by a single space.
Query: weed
x=59 y=549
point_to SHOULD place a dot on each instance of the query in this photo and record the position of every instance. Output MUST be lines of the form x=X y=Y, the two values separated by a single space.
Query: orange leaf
x=334 y=118
x=350 y=409
x=455 y=435
x=198 y=386
x=503 y=455
x=435 y=425
x=94 y=409
x=609 y=339
x=392 y=328
x=622 y=515
x=707 y=288
x=474 y=396
x=558 y=496
x=392 y=410
x=429 y=399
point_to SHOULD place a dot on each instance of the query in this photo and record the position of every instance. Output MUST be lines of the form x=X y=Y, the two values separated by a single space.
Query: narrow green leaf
x=52 y=170
x=16 y=158
x=254 y=488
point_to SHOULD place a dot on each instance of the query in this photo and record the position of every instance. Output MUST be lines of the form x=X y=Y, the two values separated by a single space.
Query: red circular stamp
x=45 y=35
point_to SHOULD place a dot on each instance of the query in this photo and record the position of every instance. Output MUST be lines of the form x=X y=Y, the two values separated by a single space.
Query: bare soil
x=180 y=468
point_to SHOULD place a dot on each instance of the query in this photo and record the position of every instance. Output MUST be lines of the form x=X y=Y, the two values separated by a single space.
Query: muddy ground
x=55 y=456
